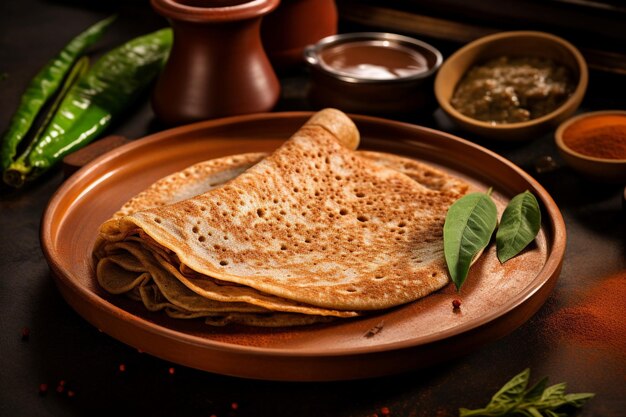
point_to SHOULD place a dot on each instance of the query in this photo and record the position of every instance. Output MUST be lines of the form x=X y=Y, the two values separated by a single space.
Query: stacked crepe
x=312 y=232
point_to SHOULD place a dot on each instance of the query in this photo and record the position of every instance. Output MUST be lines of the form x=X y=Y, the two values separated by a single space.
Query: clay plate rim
x=556 y=238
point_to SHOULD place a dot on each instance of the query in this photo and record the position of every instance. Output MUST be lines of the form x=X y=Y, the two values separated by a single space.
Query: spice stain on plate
x=375 y=330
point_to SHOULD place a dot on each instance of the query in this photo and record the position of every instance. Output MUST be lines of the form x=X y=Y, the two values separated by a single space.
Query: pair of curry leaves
x=538 y=401
x=471 y=221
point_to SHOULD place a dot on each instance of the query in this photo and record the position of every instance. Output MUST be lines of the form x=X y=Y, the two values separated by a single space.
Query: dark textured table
x=578 y=336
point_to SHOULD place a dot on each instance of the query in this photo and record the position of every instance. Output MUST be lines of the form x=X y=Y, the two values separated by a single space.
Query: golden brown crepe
x=313 y=229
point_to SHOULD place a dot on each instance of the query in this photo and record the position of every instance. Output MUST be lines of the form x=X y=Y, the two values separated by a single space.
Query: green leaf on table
x=519 y=225
x=511 y=394
x=577 y=400
x=513 y=399
x=534 y=393
x=467 y=230
x=553 y=393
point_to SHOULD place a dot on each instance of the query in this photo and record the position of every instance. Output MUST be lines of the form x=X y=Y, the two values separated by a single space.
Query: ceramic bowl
x=519 y=43
x=372 y=73
x=602 y=169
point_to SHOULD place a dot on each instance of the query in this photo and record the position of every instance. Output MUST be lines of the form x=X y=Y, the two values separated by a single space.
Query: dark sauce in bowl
x=374 y=60
x=372 y=73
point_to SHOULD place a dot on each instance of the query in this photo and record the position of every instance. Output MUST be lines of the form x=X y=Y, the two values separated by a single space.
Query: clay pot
x=217 y=66
x=294 y=25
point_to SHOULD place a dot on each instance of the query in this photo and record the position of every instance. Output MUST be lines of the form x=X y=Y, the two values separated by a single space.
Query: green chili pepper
x=113 y=83
x=76 y=73
x=43 y=87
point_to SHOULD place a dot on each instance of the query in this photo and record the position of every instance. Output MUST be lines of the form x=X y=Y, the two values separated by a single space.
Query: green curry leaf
x=535 y=392
x=539 y=401
x=519 y=225
x=511 y=394
x=468 y=227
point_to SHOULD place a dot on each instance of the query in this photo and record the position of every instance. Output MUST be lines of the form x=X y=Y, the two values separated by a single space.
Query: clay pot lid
x=213 y=11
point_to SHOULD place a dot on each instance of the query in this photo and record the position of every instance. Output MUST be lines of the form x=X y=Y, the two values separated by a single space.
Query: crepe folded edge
x=118 y=228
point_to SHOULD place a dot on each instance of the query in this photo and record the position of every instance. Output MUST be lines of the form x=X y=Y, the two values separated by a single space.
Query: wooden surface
x=595 y=27
x=577 y=336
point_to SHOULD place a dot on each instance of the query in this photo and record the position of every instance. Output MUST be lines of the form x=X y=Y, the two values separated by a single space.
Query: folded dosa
x=314 y=228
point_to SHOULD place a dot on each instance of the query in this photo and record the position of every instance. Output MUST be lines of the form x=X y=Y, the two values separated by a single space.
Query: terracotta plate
x=495 y=300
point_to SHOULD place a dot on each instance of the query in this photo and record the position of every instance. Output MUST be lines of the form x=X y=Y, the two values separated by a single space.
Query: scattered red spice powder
x=60 y=386
x=441 y=413
x=598 y=318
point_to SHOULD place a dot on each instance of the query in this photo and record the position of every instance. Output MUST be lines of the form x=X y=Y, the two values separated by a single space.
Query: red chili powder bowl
x=599 y=136
x=595 y=144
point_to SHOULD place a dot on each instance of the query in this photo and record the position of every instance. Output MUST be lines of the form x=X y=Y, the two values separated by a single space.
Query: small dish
x=518 y=43
x=599 y=168
x=372 y=73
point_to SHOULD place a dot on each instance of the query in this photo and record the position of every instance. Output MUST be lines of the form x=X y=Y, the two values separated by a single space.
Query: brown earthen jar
x=293 y=26
x=217 y=66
